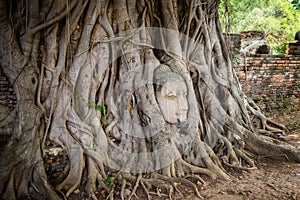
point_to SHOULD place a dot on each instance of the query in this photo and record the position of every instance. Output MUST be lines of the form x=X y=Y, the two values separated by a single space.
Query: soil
x=274 y=178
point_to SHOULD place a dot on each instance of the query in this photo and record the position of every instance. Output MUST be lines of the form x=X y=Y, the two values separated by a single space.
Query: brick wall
x=253 y=35
x=270 y=75
x=7 y=94
x=293 y=48
x=234 y=43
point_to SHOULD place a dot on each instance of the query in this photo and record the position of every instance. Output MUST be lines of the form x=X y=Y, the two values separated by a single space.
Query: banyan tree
x=141 y=94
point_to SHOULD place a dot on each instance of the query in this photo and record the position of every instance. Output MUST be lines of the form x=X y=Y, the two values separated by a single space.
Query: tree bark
x=83 y=75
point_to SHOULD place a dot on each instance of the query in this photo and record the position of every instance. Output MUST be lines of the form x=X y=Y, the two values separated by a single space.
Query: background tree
x=83 y=76
x=296 y=4
x=278 y=19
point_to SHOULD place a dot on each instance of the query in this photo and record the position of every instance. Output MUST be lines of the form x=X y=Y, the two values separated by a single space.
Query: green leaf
x=101 y=108
x=108 y=181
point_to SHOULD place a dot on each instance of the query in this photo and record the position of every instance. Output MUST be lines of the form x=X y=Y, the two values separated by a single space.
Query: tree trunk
x=137 y=93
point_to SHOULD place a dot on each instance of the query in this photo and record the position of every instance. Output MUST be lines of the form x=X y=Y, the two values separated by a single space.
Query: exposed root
x=181 y=180
x=177 y=190
x=123 y=188
x=145 y=190
x=279 y=155
x=93 y=176
x=212 y=171
x=158 y=181
x=158 y=194
x=74 y=177
x=213 y=161
x=111 y=193
x=246 y=158
x=255 y=110
x=239 y=167
x=136 y=186
x=231 y=154
x=196 y=177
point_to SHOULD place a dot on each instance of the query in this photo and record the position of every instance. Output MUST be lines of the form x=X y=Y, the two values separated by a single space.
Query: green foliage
x=101 y=108
x=258 y=99
x=296 y=4
x=236 y=62
x=285 y=103
x=277 y=18
x=108 y=181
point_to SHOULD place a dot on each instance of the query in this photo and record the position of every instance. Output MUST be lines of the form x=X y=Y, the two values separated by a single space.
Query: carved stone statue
x=171 y=94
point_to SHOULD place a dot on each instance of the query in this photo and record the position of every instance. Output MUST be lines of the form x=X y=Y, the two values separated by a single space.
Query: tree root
x=261 y=146
x=158 y=181
x=76 y=167
x=196 y=177
x=136 y=186
x=279 y=155
x=255 y=110
x=145 y=190
x=239 y=167
x=180 y=180
x=93 y=176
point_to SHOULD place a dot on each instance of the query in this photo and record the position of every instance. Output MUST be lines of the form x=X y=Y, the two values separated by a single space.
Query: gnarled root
x=179 y=172
x=267 y=125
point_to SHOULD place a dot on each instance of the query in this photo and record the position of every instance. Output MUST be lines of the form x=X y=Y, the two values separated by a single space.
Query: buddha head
x=171 y=94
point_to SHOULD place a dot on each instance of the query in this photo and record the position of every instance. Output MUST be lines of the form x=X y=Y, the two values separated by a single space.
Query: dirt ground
x=274 y=178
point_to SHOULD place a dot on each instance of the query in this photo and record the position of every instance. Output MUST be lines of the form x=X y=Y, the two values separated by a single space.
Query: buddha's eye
x=172 y=95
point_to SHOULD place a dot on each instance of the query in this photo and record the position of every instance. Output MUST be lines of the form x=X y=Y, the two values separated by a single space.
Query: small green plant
x=108 y=181
x=101 y=108
x=291 y=123
x=285 y=103
x=262 y=99
x=236 y=62
x=258 y=99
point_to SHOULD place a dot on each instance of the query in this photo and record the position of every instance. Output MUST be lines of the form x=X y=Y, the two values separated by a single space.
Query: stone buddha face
x=171 y=94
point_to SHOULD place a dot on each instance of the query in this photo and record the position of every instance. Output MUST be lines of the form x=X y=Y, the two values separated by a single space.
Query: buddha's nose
x=183 y=104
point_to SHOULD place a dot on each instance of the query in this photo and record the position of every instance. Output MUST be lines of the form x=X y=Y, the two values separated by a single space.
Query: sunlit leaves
x=277 y=18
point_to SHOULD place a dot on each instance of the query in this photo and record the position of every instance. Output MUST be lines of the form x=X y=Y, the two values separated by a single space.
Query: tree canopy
x=278 y=18
x=296 y=4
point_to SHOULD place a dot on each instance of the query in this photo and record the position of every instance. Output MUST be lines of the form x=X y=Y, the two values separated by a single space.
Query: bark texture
x=83 y=75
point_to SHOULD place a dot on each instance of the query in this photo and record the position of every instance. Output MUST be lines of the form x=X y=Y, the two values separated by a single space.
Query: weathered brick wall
x=251 y=35
x=7 y=93
x=270 y=75
x=293 y=48
x=234 y=43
